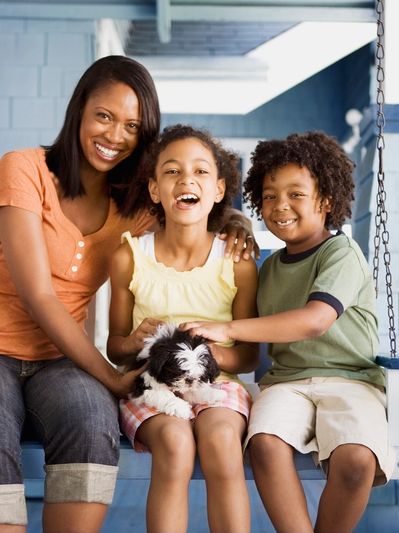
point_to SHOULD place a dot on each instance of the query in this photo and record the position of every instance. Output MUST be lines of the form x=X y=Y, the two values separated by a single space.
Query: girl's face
x=186 y=182
x=292 y=208
x=110 y=126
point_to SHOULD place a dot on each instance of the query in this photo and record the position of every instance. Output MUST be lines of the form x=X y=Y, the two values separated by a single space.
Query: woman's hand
x=124 y=382
x=213 y=331
x=239 y=237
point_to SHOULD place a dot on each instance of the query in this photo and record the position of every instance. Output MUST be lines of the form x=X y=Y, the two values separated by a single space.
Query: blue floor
x=127 y=514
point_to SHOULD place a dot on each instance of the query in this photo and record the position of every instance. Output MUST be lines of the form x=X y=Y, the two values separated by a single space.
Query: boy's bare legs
x=219 y=432
x=350 y=478
x=171 y=442
x=76 y=517
x=278 y=484
x=8 y=528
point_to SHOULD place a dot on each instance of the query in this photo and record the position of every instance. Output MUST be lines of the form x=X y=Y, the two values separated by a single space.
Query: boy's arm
x=242 y=357
x=123 y=344
x=312 y=320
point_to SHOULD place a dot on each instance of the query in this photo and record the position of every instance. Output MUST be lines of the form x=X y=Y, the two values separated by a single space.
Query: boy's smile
x=292 y=208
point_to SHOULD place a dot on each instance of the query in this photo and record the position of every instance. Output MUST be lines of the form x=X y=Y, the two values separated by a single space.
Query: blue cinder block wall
x=40 y=62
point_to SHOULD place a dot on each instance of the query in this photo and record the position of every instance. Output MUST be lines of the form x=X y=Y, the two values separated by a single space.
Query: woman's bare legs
x=73 y=517
x=219 y=432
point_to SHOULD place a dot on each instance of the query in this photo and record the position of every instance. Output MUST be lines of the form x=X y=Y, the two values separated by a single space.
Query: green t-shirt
x=336 y=273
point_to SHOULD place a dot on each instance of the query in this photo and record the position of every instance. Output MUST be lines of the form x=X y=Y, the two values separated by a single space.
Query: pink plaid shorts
x=133 y=414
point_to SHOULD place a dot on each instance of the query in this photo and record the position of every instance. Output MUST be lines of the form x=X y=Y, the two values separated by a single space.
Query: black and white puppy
x=179 y=372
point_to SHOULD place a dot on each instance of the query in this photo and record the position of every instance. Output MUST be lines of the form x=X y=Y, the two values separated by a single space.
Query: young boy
x=324 y=392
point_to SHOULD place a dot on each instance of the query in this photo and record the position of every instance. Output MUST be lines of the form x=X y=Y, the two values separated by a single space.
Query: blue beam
x=255 y=13
x=165 y=11
x=81 y=10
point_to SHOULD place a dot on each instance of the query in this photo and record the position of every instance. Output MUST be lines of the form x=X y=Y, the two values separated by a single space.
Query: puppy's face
x=177 y=359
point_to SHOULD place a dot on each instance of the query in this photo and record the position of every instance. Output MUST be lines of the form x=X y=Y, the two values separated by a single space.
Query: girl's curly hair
x=321 y=155
x=226 y=163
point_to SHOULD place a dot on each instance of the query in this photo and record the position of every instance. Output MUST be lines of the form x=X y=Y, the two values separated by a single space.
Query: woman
x=61 y=217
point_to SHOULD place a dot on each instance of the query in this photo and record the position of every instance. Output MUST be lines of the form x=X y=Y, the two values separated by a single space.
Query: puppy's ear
x=212 y=369
x=138 y=387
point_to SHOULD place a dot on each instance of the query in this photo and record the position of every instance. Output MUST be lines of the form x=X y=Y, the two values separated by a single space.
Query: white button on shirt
x=74 y=268
x=81 y=244
x=79 y=256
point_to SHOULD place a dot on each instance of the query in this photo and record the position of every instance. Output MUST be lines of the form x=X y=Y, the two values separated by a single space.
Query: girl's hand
x=147 y=328
x=213 y=331
x=240 y=240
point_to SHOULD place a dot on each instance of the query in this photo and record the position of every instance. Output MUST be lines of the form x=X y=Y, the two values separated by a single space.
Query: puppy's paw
x=216 y=396
x=179 y=408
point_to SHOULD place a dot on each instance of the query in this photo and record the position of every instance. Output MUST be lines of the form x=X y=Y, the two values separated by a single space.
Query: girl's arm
x=123 y=344
x=243 y=356
x=312 y=320
x=27 y=260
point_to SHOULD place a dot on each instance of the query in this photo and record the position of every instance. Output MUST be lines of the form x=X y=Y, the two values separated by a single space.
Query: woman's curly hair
x=226 y=163
x=321 y=155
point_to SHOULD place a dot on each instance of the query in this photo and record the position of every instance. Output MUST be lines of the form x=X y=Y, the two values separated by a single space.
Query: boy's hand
x=213 y=331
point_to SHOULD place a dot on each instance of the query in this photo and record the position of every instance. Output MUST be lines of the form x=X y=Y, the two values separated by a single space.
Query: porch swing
x=389 y=363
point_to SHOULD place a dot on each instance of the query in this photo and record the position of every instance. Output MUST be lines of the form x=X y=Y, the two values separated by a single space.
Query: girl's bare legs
x=73 y=517
x=8 y=528
x=350 y=478
x=278 y=484
x=171 y=442
x=219 y=432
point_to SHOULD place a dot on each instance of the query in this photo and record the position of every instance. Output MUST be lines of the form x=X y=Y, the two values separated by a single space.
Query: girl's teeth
x=106 y=151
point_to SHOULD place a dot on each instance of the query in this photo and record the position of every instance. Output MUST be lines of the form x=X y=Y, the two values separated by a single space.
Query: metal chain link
x=381 y=216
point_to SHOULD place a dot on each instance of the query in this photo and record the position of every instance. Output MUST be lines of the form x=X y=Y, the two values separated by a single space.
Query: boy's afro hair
x=227 y=164
x=321 y=155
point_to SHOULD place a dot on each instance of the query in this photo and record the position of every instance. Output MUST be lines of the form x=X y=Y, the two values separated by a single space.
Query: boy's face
x=292 y=208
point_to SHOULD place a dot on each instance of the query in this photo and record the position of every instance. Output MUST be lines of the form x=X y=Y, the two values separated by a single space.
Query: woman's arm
x=237 y=232
x=27 y=260
x=243 y=356
x=312 y=320
x=123 y=344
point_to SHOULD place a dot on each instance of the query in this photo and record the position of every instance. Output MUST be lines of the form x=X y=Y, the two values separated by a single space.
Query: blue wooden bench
x=132 y=466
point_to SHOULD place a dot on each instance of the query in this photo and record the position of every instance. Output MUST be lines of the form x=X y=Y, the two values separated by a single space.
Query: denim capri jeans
x=76 y=419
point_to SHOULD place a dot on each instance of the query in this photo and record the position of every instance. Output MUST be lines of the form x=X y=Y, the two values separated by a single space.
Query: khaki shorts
x=319 y=414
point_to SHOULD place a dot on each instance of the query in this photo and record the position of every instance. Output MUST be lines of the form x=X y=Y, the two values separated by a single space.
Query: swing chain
x=381 y=216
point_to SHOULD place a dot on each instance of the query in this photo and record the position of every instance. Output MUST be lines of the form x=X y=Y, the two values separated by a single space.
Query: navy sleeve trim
x=328 y=299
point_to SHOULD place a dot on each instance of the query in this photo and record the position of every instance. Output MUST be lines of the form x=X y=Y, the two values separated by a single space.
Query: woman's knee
x=353 y=464
x=77 y=422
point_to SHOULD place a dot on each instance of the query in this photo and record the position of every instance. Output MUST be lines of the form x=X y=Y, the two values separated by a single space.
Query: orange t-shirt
x=79 y=264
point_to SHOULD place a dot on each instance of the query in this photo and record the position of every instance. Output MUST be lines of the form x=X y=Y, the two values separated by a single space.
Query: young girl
x=177 y=274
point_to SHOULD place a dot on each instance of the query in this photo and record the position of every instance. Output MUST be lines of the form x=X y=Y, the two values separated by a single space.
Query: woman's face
x=110 y=126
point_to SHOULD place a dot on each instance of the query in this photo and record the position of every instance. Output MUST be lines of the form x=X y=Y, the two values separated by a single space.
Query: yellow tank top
x=203 y=293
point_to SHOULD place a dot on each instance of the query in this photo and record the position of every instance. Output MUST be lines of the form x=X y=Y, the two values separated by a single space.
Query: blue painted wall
x=40 y=62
